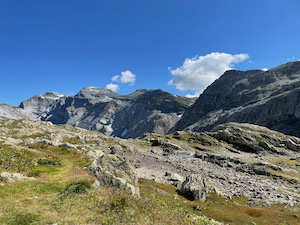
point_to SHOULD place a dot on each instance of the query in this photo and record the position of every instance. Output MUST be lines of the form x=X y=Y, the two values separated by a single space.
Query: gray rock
x=196 y=188
x=115 y=149
x=12 y=177
x=67 y=145
x=114 y=171
x=96 y=184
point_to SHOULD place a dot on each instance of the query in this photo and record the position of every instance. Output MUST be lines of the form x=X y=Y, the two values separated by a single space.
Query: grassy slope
x=45 y=200
x=157 y=204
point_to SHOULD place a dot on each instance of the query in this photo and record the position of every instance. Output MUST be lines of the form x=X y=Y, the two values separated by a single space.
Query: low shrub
x=79 y=187
x=49 y=161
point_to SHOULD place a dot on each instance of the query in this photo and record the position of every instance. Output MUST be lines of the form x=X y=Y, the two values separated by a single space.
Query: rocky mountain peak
x=39 y=104
x=95 y=92
x=52 y=95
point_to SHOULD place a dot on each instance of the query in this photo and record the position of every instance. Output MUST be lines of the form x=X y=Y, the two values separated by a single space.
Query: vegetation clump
x=15 y=160
x=79 y=187
x=49 y=161
x=23 y=218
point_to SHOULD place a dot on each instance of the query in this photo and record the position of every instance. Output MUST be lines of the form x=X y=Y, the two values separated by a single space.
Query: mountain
x=126 y=116
x=268 y=98
x=12 y=112
x=37 y=107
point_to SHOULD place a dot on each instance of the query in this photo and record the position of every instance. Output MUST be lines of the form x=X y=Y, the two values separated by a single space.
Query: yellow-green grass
x=229 y=211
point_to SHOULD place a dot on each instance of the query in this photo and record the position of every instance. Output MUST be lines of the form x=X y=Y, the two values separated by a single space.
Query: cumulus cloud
x=126 y=77
x=199 y=72
x=113 y=87
x=265 y=69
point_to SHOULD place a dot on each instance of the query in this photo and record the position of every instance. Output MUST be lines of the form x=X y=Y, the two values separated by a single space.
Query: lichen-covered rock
x=114 y=171
x=196 y=187
x=12 y=177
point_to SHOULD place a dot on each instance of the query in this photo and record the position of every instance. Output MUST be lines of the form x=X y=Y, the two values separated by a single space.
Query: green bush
x=77 y=188
x=49 y=161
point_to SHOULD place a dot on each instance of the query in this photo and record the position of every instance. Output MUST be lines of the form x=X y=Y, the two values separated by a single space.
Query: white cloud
x=199 y=72
x=115 y=78
x=265 y=69
x=126 y=77
x=197 y=93
x=113 y=87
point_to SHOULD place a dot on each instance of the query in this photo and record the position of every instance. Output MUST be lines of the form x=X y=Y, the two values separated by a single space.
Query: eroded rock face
x=114 y=171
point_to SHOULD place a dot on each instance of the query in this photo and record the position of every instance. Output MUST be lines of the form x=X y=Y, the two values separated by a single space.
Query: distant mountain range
x=268 y=98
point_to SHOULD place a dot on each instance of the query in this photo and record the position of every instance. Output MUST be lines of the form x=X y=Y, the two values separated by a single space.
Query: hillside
x=237 y=174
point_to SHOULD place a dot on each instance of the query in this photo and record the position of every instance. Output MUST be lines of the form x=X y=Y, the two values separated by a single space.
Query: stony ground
x=240 y=160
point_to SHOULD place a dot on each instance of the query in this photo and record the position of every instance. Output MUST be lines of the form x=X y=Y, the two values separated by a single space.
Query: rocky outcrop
x=196 y=188
x=268 y=98
x=12 y=177
x=239 y=160
x=259 y=142
x=114 y=171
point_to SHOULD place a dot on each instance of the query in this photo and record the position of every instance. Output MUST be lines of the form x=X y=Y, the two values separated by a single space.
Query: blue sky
x=174 y=45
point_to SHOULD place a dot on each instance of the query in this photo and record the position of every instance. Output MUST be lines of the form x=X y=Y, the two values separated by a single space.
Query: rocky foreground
x=233 y=160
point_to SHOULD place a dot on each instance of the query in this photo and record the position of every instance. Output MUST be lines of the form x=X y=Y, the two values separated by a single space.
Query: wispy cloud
x=291 y=59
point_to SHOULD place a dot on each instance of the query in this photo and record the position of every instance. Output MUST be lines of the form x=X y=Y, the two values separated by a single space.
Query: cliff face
x=269 y=98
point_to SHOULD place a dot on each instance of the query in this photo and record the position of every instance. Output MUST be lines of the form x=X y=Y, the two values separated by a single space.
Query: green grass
x=21 y=218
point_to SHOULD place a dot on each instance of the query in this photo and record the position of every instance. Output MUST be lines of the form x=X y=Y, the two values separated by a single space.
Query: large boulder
x=114 y=171
x=196 y=187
